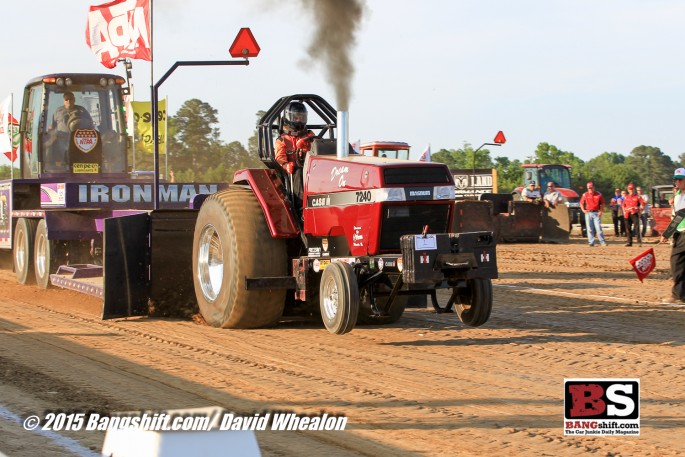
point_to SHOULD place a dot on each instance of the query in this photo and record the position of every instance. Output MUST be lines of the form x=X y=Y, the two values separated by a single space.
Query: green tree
x=548 y=153
x=651 y=165
x=509 y=174
x=196 y=144
x=607 y=171
x=464 y=158
x=252 y=141
x=6 y=172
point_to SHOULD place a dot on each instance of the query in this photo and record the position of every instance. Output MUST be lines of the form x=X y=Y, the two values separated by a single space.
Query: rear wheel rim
x=41 y=256
x=330 y=298
x=20 y=253
x=210 y=263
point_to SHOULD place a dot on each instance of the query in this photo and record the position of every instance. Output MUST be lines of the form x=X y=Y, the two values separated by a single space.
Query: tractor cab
x=72 y=125
x=662 y=201
x=543 y=174
x=322 y=122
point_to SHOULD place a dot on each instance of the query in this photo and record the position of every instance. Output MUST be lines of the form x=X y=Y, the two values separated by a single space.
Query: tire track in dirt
x=425 y=383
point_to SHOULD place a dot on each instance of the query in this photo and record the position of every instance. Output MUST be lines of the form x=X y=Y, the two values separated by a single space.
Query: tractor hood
x=365 y=204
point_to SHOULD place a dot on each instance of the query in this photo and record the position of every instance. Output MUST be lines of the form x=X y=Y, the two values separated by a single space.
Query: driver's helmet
x=295 y=118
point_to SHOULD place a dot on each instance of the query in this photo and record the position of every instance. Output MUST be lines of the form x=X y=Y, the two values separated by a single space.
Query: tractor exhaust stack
x=343 y=146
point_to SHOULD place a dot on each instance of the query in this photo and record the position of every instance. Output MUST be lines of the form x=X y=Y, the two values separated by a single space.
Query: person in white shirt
x=530 y=193
x=552 y=196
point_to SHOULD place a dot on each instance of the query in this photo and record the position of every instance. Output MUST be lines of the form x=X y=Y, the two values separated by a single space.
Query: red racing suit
x=293 y=147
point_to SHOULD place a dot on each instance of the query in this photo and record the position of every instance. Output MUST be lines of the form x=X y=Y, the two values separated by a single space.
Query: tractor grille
x=416 y=175
x=398 y=220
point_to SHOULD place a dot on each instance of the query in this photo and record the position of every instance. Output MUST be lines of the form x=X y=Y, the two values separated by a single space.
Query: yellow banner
x=142 y=120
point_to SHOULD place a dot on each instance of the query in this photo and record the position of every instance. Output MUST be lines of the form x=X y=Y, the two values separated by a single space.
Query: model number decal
x=363 y=196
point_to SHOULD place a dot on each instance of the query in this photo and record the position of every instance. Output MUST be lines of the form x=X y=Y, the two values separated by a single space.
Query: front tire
x=24 y=237
x=339 y=298
x=475 y=304
x=232 y=242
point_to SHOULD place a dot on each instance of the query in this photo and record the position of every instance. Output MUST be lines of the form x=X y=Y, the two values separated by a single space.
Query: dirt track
x=425 y=386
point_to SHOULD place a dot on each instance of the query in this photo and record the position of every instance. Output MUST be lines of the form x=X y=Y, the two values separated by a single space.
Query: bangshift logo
x=601 y=407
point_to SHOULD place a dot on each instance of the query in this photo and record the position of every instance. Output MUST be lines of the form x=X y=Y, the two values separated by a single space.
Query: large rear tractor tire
x=46 y=258
x=24 y=238
x=339 y=298
x=475 y=304
x=232 y=242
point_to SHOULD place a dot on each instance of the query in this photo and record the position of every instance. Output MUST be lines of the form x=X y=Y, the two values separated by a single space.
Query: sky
x=588 y=76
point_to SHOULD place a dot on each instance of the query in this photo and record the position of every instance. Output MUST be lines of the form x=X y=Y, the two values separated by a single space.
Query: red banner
x=119 y=29
x=644 y=263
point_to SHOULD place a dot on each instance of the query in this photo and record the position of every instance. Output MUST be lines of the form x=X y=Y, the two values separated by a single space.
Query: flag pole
x=166 y=138
x=154 y=112
x=10 y=124
x=133 y=124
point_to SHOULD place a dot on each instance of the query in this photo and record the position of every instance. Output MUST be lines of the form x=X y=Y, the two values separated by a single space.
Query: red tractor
x=386 y=149
x=561 y=175
x=371 y=232
x=662 y=202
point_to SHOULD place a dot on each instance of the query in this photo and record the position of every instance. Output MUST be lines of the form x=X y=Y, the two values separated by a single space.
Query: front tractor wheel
x=232 y=242
x=475 y=304
x=339 y=298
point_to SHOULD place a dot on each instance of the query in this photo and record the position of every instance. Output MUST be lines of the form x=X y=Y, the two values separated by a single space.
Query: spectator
x=591 y=203
x=646 y=210
x=530 y=193
x=632 y=206
x=617 y=214
x=678 y=250
x=552 y=196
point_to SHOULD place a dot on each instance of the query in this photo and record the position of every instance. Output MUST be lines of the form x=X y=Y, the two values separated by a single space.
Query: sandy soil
x=427 y=385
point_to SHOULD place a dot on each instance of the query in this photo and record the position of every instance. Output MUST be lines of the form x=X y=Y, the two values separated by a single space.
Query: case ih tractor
x=371 y=232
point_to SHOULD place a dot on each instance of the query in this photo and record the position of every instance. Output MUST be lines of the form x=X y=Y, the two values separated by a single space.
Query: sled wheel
x=339 y=298
x=24 y=237
x=475 y=304
x=232 y=242
x=46 y=258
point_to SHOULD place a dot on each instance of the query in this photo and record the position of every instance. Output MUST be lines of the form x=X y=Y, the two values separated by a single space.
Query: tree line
x=197 y=154
x=644 y=166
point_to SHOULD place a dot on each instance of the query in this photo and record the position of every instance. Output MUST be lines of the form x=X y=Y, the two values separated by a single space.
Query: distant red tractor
x=386 y=149
x=561 y=175
x=661 y=207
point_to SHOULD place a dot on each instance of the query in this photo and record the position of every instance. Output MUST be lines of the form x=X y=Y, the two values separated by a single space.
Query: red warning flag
x=644 y=263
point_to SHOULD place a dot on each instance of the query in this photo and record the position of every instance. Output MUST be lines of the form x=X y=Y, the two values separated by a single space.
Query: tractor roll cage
x=271 y=124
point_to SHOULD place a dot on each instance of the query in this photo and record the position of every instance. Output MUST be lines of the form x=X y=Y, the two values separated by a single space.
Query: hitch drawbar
x=432 y=258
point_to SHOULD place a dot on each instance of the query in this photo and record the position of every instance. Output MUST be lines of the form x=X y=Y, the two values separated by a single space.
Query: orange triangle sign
x=499 y=138
x=244 y=44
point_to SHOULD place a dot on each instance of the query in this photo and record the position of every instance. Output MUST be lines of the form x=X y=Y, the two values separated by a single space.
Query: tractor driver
x=71 y=116
x=65 y=120
x=292 y=146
